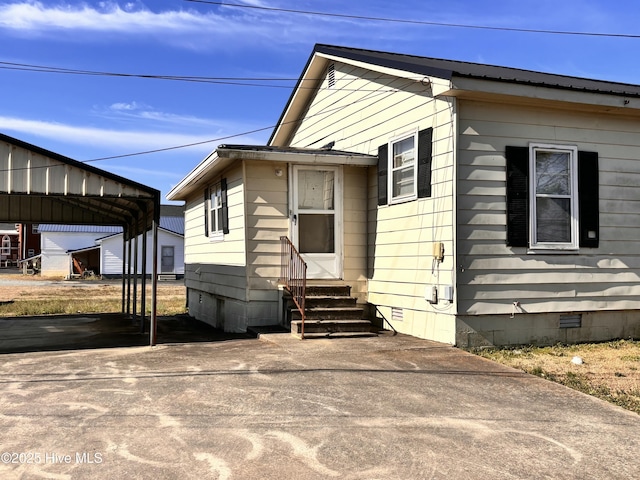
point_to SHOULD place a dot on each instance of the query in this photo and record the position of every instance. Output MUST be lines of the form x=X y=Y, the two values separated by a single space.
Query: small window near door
x=216 y=221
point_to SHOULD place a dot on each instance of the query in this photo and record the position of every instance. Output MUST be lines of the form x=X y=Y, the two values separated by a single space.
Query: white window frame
x=573 y=244
x=214 y=212
x=391 y=169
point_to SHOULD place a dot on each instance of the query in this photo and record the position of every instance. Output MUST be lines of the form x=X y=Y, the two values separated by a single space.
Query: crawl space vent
x=571 y=321
x=397 y=315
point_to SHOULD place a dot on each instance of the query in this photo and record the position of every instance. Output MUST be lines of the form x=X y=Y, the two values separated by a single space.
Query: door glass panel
x=316 y=232
x=315 y=190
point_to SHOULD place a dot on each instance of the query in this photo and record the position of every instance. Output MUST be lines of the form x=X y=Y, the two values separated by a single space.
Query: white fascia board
x=298 y=157
x=202 y=170
x=309 y=80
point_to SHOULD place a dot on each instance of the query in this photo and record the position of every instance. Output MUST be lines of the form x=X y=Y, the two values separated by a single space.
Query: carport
x=40 y=186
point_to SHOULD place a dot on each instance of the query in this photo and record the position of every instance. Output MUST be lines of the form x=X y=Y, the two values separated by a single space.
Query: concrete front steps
x=331 y=312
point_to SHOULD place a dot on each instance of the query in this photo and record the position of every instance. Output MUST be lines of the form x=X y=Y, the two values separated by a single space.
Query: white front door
x=316 y=220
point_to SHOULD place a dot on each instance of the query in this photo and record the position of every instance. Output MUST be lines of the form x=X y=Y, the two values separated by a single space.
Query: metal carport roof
x=40 y=186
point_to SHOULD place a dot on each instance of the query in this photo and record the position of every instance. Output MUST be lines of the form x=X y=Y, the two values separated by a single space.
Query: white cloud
x=110 y=17
x=195 y=29
x=126 y=141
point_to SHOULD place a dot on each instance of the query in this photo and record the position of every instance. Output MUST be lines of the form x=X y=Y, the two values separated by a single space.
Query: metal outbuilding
x=40 y=186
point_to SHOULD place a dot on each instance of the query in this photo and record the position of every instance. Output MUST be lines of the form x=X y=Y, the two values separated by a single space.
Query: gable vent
x=571 y=321
x=331 y=76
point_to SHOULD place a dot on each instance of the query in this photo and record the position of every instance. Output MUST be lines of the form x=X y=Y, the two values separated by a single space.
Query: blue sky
x=87 y=117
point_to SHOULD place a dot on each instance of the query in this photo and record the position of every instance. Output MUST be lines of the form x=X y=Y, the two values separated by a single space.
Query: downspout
x=454 y=268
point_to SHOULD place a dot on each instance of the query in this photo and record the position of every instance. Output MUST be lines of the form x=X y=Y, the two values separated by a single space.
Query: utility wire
x=416 y=22
x=237 y=81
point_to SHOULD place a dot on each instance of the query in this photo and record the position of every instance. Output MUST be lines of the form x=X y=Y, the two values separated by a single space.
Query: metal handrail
x=293 y=276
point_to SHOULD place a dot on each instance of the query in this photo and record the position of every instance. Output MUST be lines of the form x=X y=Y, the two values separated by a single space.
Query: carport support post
x=135 y=273
x=129 y=275
x=154 y=286
x=125 y=232
x=143 y=307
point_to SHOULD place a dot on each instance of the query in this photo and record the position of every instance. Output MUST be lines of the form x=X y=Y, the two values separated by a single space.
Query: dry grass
x=610 y=370
x=28 y=295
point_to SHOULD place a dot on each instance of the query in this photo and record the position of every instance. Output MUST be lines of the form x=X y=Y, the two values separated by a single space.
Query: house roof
x=451 y=72
x=54 y=228
x=9 y=228
x=226 y=155
x=447 y=69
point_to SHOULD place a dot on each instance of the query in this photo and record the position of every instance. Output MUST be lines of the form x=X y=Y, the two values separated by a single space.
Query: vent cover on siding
x=571 y=321
x=397 y=315
x=331 y=76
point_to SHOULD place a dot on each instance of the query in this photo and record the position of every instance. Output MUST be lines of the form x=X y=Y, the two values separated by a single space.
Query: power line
x=417 y=22
x=235 y=81
x=183 y=78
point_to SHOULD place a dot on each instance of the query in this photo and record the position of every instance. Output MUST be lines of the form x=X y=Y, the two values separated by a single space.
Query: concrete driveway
x=391 y=407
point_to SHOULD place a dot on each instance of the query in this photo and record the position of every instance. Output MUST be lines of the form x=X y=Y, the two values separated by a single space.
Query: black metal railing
x=293 y=276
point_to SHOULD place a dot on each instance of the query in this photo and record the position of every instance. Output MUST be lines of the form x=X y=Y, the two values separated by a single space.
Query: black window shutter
x=517 y=196
x=206 y=212
x=225 y=206
x=588 y=198
x=383 y=168
x=425 y=139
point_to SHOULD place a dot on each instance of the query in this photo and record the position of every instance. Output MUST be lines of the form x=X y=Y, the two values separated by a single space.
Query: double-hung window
x=216 y=210
x=554 y=197
x=404 y=168
x=402 y=181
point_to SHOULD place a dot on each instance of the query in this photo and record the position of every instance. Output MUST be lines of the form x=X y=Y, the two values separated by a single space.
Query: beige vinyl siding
x=267 y=220
x=201 y=249
x=215 y=270
x=493 y=276
x=363 y=111
x=366 y=109
x=355 y=231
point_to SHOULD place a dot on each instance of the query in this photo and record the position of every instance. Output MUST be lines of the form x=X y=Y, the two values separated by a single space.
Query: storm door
x=316 y=220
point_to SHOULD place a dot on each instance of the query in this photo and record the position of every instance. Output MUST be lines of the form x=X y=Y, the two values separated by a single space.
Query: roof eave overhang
x=218 y=161
x=497 y=90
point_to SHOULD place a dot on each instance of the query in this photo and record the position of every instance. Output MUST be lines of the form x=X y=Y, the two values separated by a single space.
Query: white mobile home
x=465 y=203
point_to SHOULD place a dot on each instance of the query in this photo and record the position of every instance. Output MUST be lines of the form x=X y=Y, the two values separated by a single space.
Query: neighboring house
x=9 y=249
x=470 y=204
x=28 y=240
x=73 y=249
